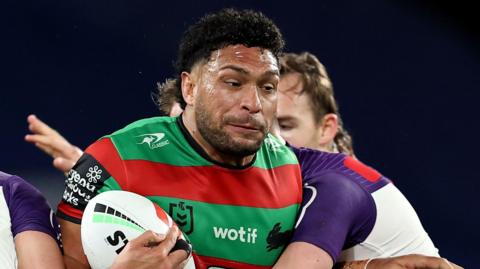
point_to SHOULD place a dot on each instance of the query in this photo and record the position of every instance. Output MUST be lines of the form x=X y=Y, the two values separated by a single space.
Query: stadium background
x=405 y=74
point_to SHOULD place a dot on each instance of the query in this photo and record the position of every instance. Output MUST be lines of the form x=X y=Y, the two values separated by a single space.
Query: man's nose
x=251 y=99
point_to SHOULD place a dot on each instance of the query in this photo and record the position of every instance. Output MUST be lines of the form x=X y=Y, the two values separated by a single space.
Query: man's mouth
x=247 y=126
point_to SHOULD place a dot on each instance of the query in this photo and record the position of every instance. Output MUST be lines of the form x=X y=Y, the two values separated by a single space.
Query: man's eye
x=270 y=88
x=285 y=127
x=233 y=83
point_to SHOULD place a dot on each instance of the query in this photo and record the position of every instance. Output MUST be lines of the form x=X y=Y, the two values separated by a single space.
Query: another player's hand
x=151 y=250
x=64 y=154
x=413 y=261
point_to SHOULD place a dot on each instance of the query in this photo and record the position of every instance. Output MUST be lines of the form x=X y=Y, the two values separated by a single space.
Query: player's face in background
x=236 y=98
x=295 y=115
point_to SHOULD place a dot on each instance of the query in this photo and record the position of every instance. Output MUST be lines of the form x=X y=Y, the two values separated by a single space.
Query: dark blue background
x=405 y=74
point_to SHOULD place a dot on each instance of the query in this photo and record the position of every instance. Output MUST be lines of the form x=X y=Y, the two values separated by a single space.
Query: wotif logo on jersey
x=243 y=235
x=153 y=140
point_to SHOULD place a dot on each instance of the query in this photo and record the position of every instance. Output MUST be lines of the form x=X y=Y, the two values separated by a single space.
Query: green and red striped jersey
x=234 y=217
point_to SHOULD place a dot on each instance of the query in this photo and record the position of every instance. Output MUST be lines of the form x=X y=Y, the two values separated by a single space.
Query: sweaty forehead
x=239 y=55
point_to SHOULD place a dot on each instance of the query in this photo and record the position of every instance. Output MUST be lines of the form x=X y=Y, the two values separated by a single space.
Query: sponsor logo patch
x=154 y=140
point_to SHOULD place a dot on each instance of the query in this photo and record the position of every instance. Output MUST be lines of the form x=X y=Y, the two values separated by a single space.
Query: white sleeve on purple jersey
x=22 y=208
x=352 y=212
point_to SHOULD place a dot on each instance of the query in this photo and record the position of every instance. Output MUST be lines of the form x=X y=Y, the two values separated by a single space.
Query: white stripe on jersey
x=397 y=230
x=314 y=195
x=8 y=255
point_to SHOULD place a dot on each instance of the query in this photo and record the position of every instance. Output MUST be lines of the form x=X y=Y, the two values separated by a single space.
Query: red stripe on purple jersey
x=365 y=171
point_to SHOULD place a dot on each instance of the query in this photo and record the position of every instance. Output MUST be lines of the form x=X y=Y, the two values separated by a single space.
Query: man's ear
x=188 y=88
x=329 y=128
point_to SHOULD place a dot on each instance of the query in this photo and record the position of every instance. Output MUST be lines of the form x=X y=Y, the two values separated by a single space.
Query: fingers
x=169 y=242
x=38 y=138
x=38 y=126
x=177 y=257
x=47 y=149
x=147 y=239
x=152 y=248
x=55 y=145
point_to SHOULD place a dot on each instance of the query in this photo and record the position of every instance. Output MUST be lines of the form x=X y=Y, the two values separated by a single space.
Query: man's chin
x=246 y=147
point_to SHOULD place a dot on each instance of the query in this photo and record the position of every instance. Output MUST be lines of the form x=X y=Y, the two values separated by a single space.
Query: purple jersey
x=23 y=208
x=353 y=212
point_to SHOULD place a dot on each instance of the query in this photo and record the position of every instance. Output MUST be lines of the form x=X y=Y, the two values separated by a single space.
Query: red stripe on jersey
x=105 y=153
x=365 y=171
x=257 y=187
x=204 y=262
x=69 y=210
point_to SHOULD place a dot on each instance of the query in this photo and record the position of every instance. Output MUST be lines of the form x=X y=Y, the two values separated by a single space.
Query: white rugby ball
x=113 y=218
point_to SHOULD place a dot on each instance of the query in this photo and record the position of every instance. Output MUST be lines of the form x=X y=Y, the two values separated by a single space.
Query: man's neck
x=189 y=122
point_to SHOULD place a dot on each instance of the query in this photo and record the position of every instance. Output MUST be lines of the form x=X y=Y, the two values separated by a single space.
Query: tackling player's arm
x=72 y=245
x=330 y=208
x=35 y=231
x=328 y=213
x=37 y=250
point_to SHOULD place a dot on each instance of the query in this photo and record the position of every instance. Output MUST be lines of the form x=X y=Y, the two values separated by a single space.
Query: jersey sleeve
x=29 y=210
x=99 y=169
x=334 y=211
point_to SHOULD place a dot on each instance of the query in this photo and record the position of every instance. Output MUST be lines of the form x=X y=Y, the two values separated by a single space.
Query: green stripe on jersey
x=236 y=233
x=156 y=139
x=160 y=140
x=110 y=184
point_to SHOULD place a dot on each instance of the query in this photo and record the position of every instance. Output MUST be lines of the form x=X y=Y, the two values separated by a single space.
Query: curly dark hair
x=224 y=28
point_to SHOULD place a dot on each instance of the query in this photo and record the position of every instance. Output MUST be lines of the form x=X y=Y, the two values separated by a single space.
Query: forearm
x=351 y=265
x=37 y=250
x=72 y=246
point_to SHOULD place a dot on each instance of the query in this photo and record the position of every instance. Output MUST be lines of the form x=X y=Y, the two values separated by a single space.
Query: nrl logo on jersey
x=153 y=140
x=182 y=214
x=273 y=144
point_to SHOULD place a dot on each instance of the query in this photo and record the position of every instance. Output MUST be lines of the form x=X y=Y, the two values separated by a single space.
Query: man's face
x=294 y=113
x=236 y=98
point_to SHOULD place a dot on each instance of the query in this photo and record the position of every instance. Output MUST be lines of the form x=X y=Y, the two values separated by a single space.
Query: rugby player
x=350 y=211
x=242 y=64
x=211 y=163
x=29 y=233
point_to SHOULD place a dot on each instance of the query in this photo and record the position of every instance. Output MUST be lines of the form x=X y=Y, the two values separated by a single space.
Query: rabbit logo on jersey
x=153 y=140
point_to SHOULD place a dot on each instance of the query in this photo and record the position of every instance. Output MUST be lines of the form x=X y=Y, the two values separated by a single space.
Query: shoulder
x=135 y=137
x=339 y=186
x=274 y=153
x=335 y=211
x=15 y=187
x=146 y=125
x=316 y=163
x=29 y=210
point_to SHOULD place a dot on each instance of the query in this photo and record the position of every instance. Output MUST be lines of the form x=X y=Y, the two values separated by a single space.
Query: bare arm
x=72 y=245
x=412 y=261
x=37 y=250
x=305 y=255
x=311 y=257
